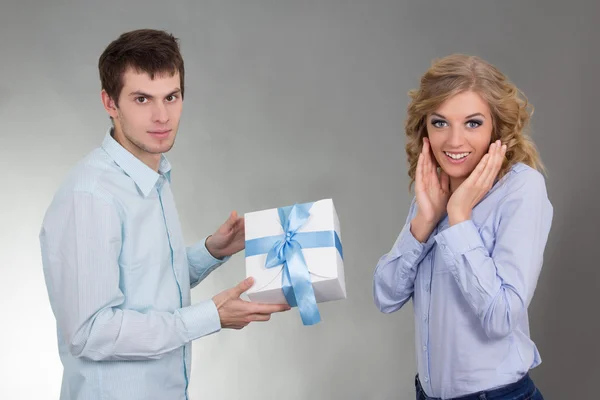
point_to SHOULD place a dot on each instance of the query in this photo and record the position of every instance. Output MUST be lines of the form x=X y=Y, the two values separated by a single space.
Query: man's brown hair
x=144 y=50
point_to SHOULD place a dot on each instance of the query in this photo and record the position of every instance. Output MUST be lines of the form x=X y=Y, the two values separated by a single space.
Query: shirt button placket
x=173 y=267
x=425 y=317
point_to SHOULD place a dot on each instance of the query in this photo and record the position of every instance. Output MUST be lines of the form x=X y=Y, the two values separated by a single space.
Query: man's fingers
x=259 y=308
x=242 y=287
x=260 y=317
x=230 y=223
x=240 y=222
x=233 y=217
x=235 y=225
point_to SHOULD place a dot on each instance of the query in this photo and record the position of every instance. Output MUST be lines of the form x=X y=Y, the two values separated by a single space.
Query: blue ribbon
x=286 y=249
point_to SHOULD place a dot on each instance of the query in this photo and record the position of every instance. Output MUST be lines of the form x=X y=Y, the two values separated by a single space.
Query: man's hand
x=236 y=313
x=228 y=239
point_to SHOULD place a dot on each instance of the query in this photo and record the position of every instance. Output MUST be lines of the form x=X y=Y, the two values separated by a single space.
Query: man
x=116 y=268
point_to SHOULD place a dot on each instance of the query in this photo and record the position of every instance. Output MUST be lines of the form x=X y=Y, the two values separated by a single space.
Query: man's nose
x=160 y=114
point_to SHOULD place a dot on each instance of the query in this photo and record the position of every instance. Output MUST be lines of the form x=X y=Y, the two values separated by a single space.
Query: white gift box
x=325 y=264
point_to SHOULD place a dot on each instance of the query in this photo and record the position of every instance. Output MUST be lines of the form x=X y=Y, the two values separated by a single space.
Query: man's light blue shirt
x=471 y=284
x=119 y=276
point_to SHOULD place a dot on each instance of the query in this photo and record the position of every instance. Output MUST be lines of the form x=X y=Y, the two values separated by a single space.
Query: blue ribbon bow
x=286 y=249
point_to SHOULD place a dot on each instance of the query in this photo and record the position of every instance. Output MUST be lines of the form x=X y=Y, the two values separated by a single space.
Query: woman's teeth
x=457 y=156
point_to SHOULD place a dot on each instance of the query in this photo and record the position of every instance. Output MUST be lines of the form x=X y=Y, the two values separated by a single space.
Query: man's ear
x=109 y=104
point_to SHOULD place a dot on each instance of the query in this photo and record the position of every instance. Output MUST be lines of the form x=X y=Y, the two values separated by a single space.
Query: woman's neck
x=455 y=183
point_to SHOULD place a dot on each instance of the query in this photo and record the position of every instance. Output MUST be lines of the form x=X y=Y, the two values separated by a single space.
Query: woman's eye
x=474 y=124
x=438 y=123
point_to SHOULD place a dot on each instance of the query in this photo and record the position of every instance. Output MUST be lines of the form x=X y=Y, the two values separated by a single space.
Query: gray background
x=291 y=101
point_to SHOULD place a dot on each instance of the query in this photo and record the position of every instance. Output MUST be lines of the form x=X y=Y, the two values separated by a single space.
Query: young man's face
x=147 y=117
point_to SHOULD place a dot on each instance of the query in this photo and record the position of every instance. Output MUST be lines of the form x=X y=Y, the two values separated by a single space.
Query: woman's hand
x=479 y=182
x=432 y=193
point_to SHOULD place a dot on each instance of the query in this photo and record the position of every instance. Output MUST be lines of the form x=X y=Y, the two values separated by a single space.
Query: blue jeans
x=524 y=389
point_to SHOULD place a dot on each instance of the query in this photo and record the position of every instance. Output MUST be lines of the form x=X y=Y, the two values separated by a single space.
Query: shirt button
x=425 y=318
x=424 y=348
x=427 y=287
x=426 y=379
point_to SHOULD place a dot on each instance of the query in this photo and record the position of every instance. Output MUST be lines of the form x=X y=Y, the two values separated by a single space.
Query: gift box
x=295 y=256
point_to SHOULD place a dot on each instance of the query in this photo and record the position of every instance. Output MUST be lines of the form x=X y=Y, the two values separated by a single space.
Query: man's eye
x=171 y=98
x=141 y=100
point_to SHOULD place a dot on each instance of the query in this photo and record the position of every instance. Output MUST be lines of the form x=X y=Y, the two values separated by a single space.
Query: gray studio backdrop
x=293 y=101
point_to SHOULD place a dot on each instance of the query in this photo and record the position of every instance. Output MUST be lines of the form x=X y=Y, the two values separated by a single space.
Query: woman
x=471 y=249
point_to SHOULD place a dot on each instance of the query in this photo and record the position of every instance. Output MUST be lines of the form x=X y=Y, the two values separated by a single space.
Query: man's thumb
x=232 y=218
x=243 y=286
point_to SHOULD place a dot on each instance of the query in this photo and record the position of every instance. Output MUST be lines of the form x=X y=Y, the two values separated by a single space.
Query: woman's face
x=460 y=133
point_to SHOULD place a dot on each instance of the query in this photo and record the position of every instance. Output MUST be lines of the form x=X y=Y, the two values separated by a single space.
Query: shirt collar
x=144 y=177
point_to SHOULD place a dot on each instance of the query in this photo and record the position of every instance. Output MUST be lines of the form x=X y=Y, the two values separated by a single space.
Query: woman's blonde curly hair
x=509 y=107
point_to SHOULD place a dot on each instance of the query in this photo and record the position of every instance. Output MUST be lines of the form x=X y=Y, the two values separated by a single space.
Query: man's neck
x=151 y=160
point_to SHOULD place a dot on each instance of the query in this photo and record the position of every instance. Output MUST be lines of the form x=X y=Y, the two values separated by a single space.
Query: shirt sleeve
x=201 y=262
x=81 y=242
x=395 y=273
x=499 y=285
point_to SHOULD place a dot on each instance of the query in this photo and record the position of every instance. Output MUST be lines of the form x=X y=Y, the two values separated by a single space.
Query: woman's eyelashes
x=438 y=123
x=474 y=123
x=471 y=124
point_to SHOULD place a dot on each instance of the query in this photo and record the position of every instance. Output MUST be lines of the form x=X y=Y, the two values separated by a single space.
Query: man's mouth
x=160 y=134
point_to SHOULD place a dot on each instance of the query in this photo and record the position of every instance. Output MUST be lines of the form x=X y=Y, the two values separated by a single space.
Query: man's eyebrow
x=140 y=93
x=143 y=94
